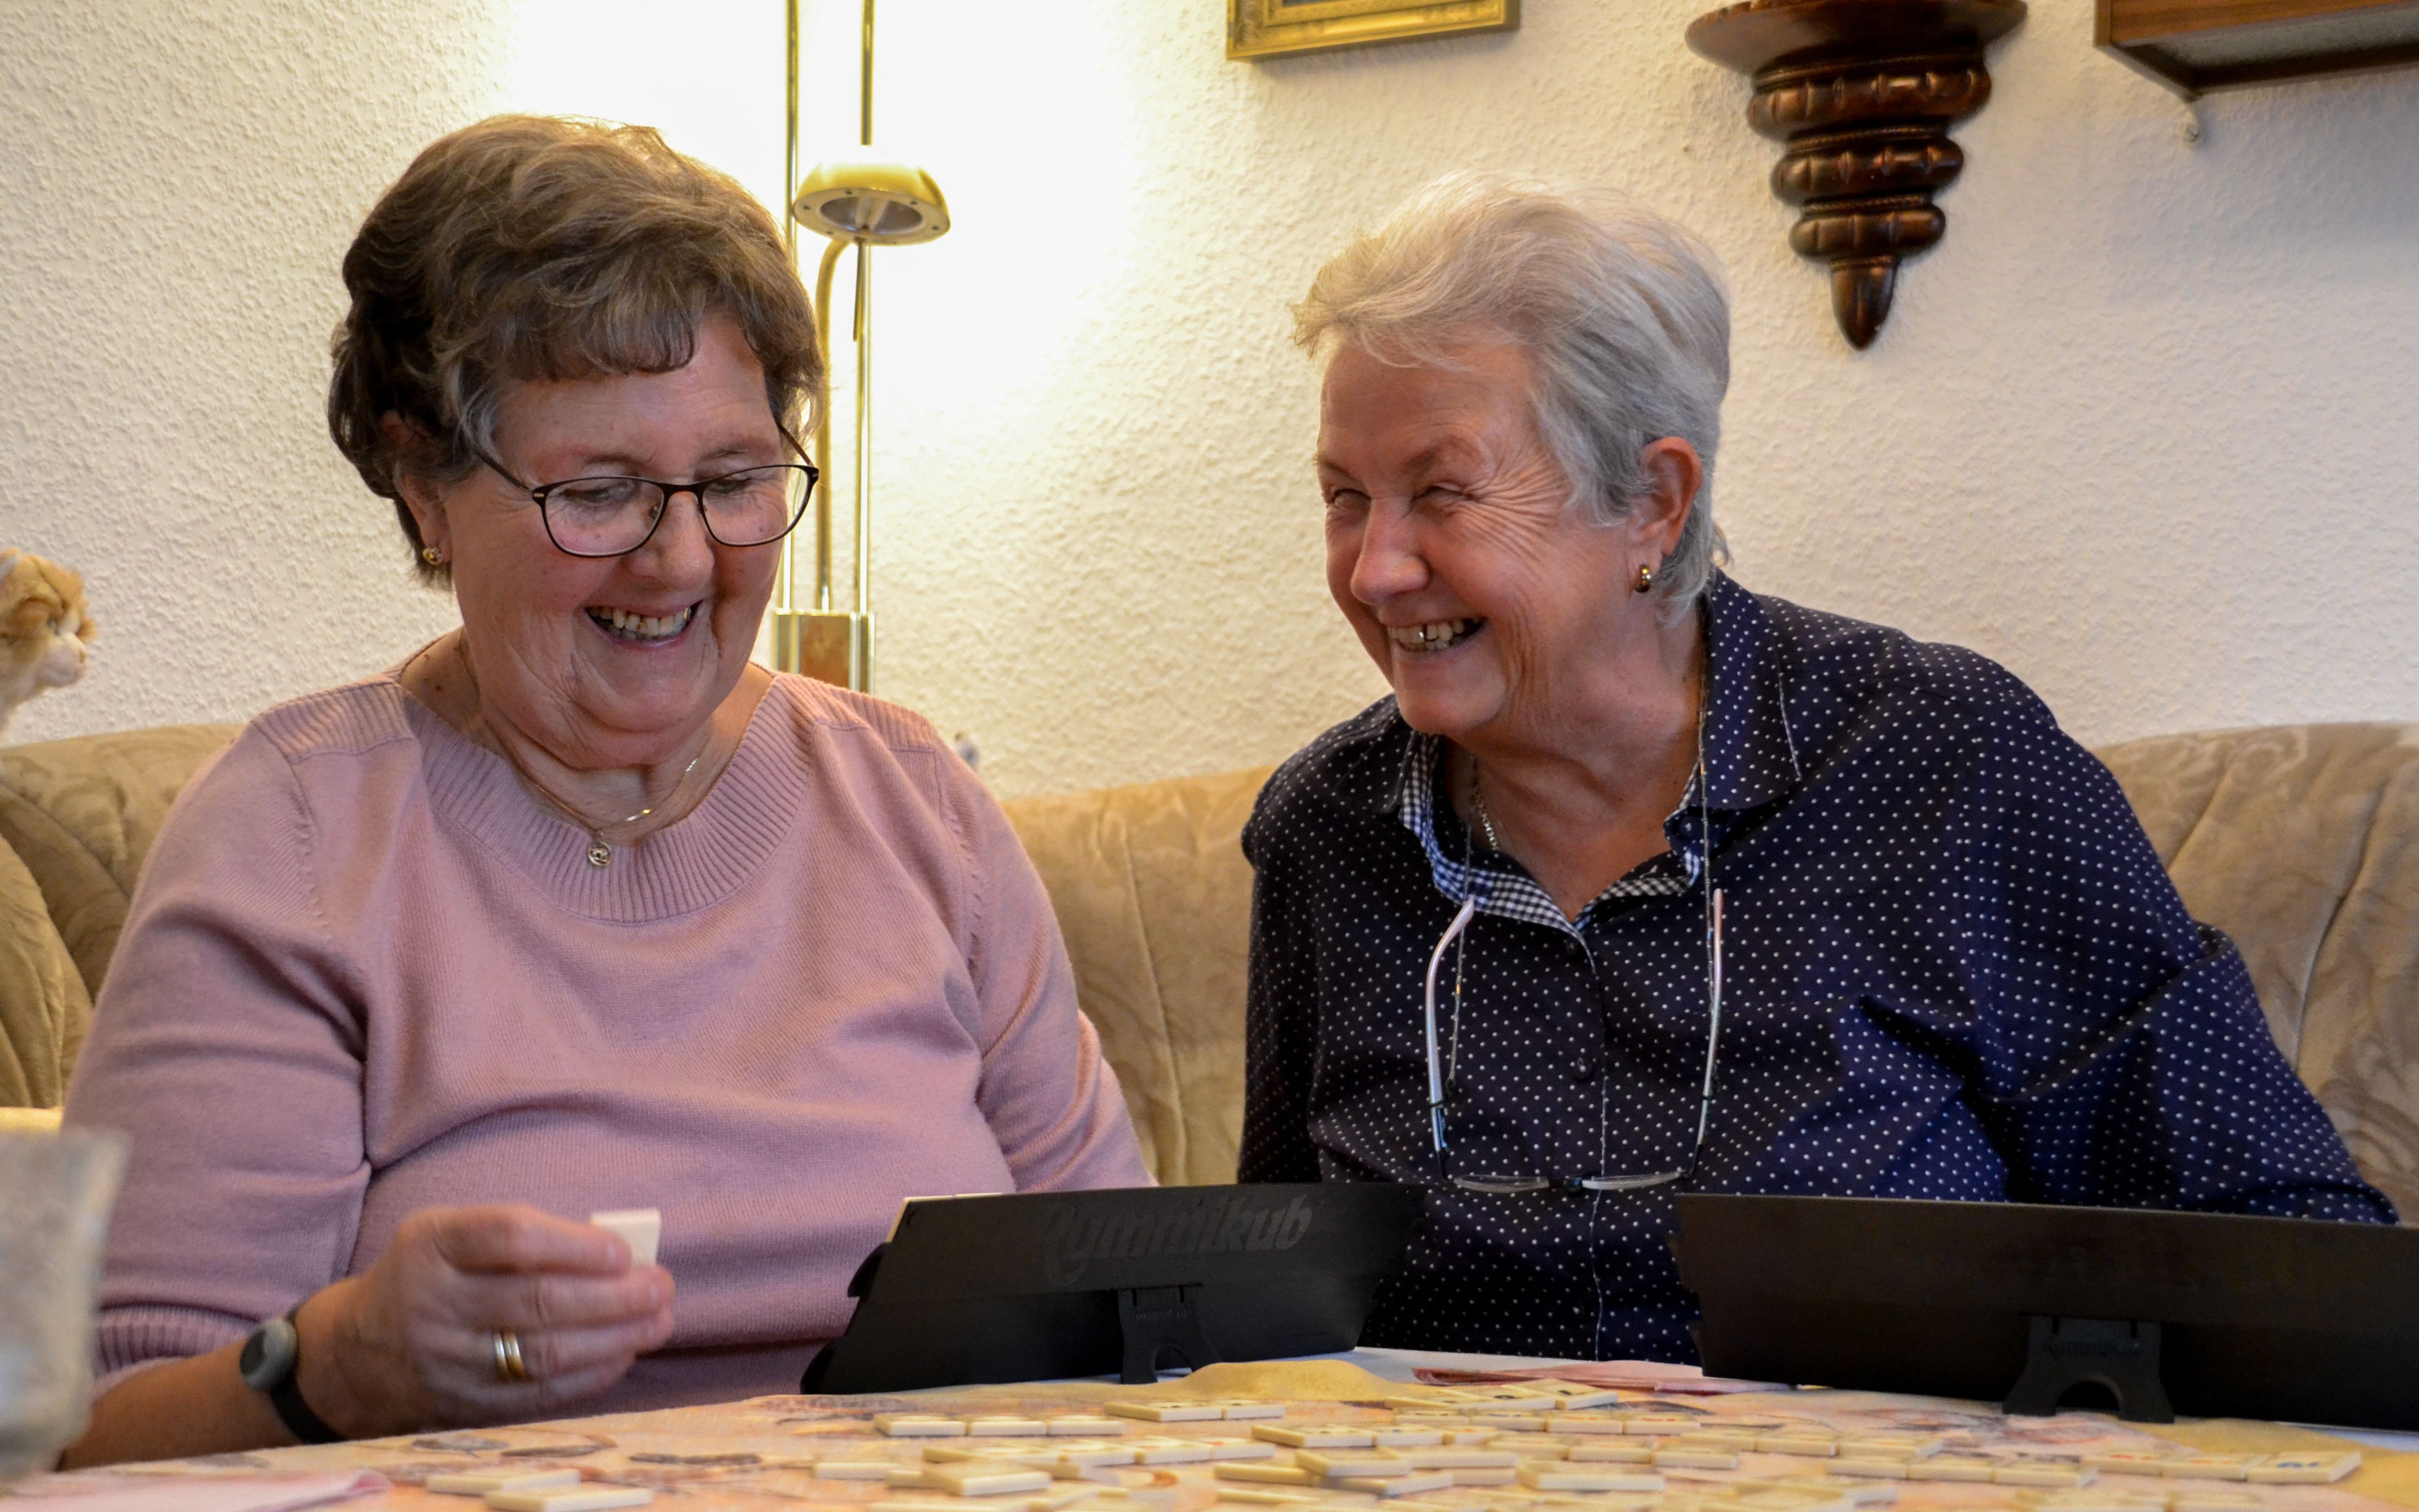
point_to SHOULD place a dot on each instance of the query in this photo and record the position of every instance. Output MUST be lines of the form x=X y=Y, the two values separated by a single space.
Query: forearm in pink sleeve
x=223 y=1046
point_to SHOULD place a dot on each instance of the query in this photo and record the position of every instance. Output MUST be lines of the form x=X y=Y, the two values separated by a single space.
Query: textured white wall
x=2140 y=427
x=178 y=184
x=178 y=187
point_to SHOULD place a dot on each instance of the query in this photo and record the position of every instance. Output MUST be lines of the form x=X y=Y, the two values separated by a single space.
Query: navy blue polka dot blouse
x=1953 y=968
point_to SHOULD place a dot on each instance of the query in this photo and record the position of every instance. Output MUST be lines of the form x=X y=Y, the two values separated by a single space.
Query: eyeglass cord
x=1457 y=937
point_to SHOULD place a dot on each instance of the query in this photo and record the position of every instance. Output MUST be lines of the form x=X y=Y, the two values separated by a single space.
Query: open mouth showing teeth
x=1436 y=635
x=641 y=628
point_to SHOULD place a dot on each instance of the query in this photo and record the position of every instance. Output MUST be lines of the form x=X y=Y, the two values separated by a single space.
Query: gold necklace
x=1478 y=807
x=600 y=853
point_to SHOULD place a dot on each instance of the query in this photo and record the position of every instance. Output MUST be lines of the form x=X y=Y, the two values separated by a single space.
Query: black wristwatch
x=267 y=1363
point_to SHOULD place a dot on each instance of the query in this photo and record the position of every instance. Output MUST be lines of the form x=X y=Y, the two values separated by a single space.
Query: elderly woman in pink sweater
x=576 y=909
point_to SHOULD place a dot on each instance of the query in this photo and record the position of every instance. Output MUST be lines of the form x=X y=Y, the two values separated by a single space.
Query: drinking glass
x=56 y=1190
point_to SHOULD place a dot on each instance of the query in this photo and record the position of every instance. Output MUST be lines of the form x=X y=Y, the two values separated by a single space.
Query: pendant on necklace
x=599 y=853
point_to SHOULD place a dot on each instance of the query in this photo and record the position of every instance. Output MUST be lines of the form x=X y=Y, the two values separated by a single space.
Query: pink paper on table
x=1622 y=1375
x=171 y=1492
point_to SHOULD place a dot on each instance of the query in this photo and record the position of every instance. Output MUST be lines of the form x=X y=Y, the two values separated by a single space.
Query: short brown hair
x=535 y=248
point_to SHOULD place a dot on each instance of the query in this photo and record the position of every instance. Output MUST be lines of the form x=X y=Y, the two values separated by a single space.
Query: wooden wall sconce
x=1861 y=92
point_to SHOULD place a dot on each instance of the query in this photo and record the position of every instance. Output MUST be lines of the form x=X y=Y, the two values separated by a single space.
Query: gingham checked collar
x=1748 y=748
x=1498 y=883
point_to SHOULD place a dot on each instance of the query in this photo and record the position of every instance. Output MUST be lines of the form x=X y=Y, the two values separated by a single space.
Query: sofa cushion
x=2301 y=841
x=81 y=814
x=1154 y=897
x=43 y=1005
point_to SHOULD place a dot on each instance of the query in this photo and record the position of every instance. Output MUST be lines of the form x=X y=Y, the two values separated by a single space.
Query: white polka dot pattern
x=1953 y=969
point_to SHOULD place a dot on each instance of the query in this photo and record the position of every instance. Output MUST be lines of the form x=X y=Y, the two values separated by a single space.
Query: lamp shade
x=873 y=199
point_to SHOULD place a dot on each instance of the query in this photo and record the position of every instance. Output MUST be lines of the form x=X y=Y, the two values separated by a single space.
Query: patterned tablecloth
x=781 y=1452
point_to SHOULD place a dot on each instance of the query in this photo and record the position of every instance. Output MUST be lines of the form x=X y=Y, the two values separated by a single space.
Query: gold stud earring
x=432 y=556
x=1645 y=577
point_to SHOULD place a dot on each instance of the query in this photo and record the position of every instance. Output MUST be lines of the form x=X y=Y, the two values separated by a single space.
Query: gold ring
x=508 y=1355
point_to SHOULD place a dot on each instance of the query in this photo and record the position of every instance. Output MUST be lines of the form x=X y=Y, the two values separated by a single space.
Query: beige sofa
x=2303 y=842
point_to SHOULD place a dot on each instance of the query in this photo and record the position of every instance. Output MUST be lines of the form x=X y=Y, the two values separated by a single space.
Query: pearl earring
x=1645 y=577
x=432 y=556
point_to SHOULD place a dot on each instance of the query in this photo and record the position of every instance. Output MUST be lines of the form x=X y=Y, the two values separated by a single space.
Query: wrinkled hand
x=410 y=1344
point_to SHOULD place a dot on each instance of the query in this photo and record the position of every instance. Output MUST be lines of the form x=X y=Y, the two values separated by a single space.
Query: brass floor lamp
x=860 y=201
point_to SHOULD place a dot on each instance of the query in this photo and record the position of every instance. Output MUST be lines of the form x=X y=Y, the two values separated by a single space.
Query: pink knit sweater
x=366 y=973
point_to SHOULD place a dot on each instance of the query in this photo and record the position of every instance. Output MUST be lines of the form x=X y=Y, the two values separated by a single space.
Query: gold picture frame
x=1267 y=28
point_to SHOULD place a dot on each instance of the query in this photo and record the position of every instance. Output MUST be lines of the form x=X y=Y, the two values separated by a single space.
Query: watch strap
x=286 y=1397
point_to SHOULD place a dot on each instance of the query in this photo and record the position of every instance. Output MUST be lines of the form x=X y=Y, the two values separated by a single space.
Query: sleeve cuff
x=132 y=1339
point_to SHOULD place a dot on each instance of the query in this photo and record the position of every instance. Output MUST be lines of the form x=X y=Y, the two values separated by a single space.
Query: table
x=764 y=1453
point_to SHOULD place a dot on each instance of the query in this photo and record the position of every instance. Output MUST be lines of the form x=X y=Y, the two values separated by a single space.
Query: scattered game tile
x=1912 y=1446
x=479 y=1482
x=2049 y=1477
x=1806 y=1445
x=1166 y=1412
x=1952 y=1466
x=1269 y=1473
x=1612 y=1452
x=1542 y=1445
x=1734 y=1444
x=2095 y=1499
x=1458 y=1458
x=2131 y=1461
x=1412 y=1485
x=585 y=1499
x=1007 y=1428
x=918 y=1425
x=1313 y=1437
x=1569 y=1396
x=1351 y=1462
x=1561 y=1476
x=1587 y=1423
x=984 y=1478
x=2304 y=1469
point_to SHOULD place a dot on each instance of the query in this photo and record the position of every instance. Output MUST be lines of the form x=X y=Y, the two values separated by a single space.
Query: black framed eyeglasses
x=613 y=516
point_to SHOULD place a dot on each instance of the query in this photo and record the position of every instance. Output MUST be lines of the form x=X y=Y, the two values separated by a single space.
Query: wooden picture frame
x=1267 y=28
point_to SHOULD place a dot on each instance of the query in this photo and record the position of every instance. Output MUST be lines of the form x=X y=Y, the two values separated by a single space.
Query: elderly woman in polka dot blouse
x=1688 y=888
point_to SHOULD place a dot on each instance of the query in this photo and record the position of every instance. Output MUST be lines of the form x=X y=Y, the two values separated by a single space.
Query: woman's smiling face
x=613 y=661
x=1453 y=546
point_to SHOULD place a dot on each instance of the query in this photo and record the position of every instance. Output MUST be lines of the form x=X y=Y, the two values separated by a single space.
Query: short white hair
x=1623 y=314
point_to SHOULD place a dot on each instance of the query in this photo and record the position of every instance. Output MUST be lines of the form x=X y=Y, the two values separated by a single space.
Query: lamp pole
x=859 y=202
x=785 y=574
x=860 y=670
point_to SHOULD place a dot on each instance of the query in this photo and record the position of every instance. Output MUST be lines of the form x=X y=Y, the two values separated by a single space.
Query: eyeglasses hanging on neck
x=1489 y=1181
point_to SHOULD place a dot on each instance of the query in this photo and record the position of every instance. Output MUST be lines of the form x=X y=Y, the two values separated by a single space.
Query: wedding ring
x=508 y=1355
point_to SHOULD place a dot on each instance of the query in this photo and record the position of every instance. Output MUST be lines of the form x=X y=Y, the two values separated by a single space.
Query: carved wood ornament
x=1862 y=93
